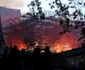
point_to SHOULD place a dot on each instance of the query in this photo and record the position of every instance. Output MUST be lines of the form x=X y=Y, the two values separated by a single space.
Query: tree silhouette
x=83 y=34
x=62 y=9
x=35 y=4
x=63 y=12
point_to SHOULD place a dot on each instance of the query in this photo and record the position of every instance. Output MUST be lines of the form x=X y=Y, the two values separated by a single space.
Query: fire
x=48 y=34
x=57 y=49
x=65 y=42
x=19 y=44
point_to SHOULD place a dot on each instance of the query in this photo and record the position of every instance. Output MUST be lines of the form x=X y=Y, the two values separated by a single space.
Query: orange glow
x=43 y=36
x=18 y=43
x=15 y=39
x=65 y=42
x=57 y=49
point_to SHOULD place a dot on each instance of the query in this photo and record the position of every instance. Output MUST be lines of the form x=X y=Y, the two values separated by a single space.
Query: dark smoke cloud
x=12 y=3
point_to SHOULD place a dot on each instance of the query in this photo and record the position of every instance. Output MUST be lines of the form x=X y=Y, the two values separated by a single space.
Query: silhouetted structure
x=36 y=59
x=4 y=60
x=46 y=59
x=15 y=58
x=2 y=42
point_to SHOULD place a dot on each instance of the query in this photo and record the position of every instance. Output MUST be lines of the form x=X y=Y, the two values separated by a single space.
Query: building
x=9 y=15
x=2 y=41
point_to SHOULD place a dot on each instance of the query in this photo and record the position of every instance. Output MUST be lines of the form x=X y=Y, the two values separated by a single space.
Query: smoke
x=12 y=3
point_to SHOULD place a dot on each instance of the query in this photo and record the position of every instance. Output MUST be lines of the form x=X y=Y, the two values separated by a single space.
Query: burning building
x=41 y=32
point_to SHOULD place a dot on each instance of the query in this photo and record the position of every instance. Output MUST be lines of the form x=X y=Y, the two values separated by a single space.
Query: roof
x=74 y=52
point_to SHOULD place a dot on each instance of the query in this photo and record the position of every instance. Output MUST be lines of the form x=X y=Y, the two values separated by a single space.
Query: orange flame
x=65 y=42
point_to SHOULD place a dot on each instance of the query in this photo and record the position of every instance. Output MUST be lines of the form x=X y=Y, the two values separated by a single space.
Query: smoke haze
x=12 y=3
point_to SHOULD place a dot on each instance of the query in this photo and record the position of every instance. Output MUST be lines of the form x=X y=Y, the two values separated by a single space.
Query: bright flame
x=65 y=42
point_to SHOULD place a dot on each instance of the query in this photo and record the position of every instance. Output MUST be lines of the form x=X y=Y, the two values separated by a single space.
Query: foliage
x=62 y=9
x=35 y=4
x=63 y=12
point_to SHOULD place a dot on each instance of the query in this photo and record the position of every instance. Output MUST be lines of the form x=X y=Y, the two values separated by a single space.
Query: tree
x=62 y=9
x=63 y=12
x=35 y=4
